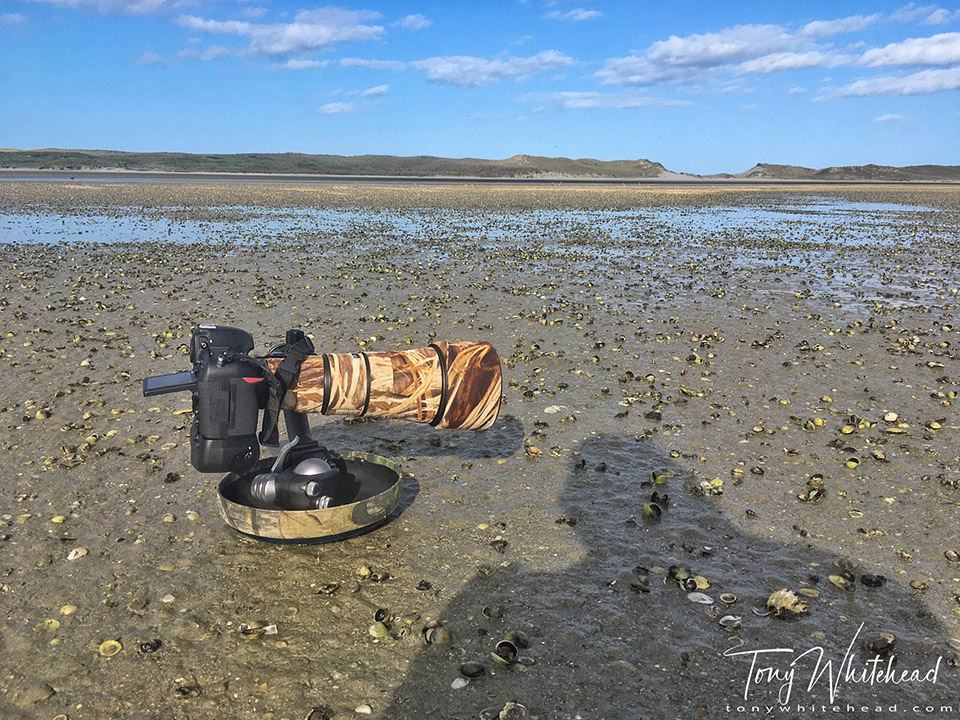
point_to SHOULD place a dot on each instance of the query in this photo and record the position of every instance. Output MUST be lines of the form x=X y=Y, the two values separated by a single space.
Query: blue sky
x=701 y=87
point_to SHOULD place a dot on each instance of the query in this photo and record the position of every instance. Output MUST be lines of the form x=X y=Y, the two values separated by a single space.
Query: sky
x=701 y=87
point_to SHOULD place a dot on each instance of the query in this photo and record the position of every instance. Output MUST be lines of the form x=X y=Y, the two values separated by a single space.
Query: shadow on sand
x=601 y=650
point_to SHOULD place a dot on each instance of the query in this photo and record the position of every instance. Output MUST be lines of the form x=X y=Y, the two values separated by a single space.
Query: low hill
x=519 y=166
x=856 y=173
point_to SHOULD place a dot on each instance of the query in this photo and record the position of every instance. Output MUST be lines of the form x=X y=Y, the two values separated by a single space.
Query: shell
x=662 y=500
x=437 y=636
x=873 y=581
x=518 y=638
x=378 y=630
x=785 y=600
x=728 y=598
x=150 y=646
x=660 y=477
x=699 y=597
x=109 y=648
x=505 y=653
x=881 y=644
x=679 y=572
x=844 y=582
x=514 y=711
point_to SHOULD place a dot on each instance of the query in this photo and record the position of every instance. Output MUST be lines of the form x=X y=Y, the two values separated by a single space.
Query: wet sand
x=752 y=337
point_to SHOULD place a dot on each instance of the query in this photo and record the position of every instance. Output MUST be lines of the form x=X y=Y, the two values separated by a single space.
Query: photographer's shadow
x=600 y=648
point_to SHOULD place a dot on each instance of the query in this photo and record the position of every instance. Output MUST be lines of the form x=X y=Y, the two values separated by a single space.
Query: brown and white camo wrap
x=407 y=385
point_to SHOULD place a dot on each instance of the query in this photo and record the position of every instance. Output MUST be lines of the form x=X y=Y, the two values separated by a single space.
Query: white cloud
x=297 y=64
x=942 y=49
x=374 y=91
x=941 y=17
x=924 y=82
x=738 y=50
x=823 y=28
x=791 y=61
x=312 y=30
x=254 y=13
x=228 y=27
x=578 y=15
x=476 y=71
x=336 y=16
x=694 y=57
x=150 y=58
x=373 y=64
x=11 y=18
x=728 y=45
x=927 y=14
x=413 y=22
x=600 y=100
x=796 y=90
x=337 y=108
x=122 y=7
x=911 y=12
x=217 y=52
x=889 y=117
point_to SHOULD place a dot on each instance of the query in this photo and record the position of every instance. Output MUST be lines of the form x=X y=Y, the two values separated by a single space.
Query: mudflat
x=782 y=363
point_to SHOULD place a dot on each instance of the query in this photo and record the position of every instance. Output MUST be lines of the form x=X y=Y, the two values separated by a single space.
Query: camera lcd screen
x=175 y=382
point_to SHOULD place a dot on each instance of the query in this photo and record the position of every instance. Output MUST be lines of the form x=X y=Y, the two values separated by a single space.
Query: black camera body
x=228 y=393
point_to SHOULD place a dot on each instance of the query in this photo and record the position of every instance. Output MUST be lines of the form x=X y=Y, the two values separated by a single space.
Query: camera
x=228 y=394
x=448 y=385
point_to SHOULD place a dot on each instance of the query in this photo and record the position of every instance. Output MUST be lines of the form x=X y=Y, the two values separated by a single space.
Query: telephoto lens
x=450 y=385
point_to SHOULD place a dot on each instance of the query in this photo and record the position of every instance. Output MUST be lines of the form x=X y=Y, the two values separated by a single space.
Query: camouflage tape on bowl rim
x=378 y=494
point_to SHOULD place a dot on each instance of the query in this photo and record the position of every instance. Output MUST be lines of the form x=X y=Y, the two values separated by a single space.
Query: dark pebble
x=321 y=712
x=472 y=669
x=151 y=646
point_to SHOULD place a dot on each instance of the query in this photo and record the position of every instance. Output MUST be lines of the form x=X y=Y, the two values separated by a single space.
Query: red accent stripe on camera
x=253 y=380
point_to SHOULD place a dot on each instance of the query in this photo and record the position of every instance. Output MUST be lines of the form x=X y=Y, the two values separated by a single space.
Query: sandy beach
x=723 y=345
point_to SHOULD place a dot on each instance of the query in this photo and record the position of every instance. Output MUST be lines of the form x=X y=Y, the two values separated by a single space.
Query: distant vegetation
x=859 y=173
x=519 y=166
